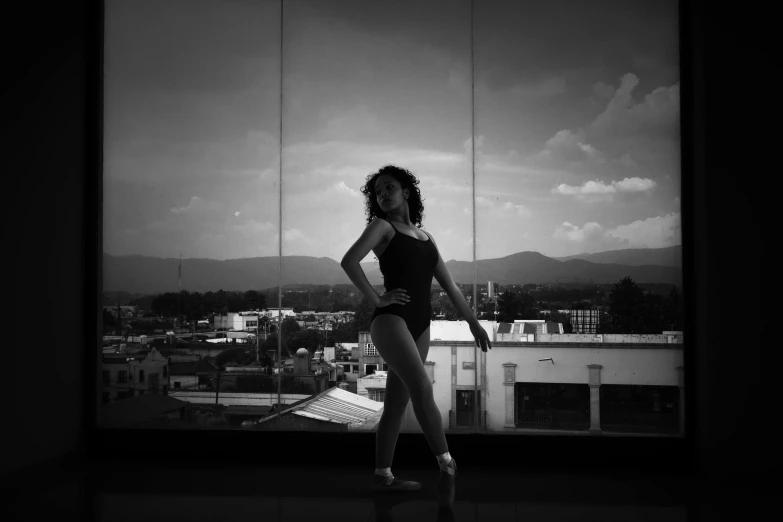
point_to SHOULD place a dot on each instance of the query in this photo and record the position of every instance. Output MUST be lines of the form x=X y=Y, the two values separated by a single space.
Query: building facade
x=369 y=359
x=236 y=321
x=128 y=375
x=631 y=384
x=585 y=321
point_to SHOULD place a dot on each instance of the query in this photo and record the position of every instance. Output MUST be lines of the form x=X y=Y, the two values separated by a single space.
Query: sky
x=575 y=118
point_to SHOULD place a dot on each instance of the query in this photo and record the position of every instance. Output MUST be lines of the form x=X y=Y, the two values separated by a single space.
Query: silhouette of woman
x=399 y=329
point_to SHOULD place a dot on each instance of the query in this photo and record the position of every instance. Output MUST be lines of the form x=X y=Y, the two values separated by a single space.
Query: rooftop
x=338 y=406
x=135 y=410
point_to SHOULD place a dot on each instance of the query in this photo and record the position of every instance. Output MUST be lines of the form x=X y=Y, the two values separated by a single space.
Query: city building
x=585 y=321
x=126 y=375
x=580 y=383
x=237 y=321
x=272 y=313
x=123 y=311
x=526 y=330
x=369 y=360
x=372 y=386
x=193 y=374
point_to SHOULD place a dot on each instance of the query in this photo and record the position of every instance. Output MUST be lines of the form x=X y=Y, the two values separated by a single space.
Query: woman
x=399 y=326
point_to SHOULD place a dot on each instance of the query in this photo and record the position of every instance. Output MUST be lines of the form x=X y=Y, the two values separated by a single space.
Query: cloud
x=603 y=91
x=634 y=185
x=543 y=87
x=570 y=146
x=195 y=204
x=342 y=188
x=468 y=148
x=626 y=161
x=657 y=115
x=597 y=187
x=626 y=134
x=494 y=208
x=655 y=232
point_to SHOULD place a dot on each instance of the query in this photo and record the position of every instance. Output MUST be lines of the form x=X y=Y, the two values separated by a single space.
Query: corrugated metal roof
x=338 y=406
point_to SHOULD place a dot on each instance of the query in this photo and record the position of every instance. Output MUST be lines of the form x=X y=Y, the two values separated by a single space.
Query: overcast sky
x=576 y=124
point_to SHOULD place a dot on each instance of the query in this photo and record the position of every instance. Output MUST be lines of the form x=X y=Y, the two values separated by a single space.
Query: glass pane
x=578 y=198
x=190 y=202
x=366 y=84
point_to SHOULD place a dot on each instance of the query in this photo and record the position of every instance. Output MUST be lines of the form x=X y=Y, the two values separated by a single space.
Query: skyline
x=577 y=140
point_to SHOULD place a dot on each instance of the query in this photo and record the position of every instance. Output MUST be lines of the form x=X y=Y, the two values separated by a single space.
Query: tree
x=507 y=307
x=238 y=355
x=565 y=319
x=627 y=308
x=289 y=325
x=513 y=305
x=443 y=305
x=109 y=321
x=673 y=314
x=310 y=339
x=363 y=316
x=344 y=332
x=255 y=300
x=270 y=344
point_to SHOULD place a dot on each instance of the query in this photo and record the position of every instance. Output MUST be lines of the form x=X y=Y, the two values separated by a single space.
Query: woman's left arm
x=443 y=276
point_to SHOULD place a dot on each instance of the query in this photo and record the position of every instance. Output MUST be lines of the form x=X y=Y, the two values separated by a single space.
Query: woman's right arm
x=372 y=236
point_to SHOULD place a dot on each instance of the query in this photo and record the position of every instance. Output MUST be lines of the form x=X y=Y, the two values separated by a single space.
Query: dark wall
x=47 y=226
x=727 y=236
x=44 y=91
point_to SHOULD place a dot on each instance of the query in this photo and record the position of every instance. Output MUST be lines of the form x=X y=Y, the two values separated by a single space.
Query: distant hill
x=669 y=256
x=147 y=275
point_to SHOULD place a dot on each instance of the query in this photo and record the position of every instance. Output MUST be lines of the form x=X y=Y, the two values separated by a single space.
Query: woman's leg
x=395 y=344
x=394 y=406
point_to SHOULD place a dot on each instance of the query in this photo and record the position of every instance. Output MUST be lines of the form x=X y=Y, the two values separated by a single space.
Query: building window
x=165 y=371
x=465 y=414
x=552 y=406
x=369 y=369
x=639 y=409
x=105 y=398
x=176 y=385
x=370 y=349
x=376 y=394
x=585 y=321
x=430 y=369
x=105 y=375
x=122 y=376
x=141 y=375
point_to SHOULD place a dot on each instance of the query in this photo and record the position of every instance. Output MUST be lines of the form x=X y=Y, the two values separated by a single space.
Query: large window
x=552 y=406
x=237 y=140
x=642 y=409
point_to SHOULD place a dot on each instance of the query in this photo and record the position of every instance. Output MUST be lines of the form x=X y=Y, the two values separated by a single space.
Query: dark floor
x=126 y=490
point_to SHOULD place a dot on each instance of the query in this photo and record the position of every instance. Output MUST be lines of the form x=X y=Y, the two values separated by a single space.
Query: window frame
x=669 y=454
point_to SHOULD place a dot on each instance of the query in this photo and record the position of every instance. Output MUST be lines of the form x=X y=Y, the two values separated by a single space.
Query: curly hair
x=407 y=180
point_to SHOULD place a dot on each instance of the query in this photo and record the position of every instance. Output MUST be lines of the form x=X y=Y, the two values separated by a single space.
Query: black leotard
x=409 y=263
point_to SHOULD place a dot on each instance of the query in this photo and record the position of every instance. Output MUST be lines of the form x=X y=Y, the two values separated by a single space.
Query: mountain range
x=669 y=256
x=149 y=275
